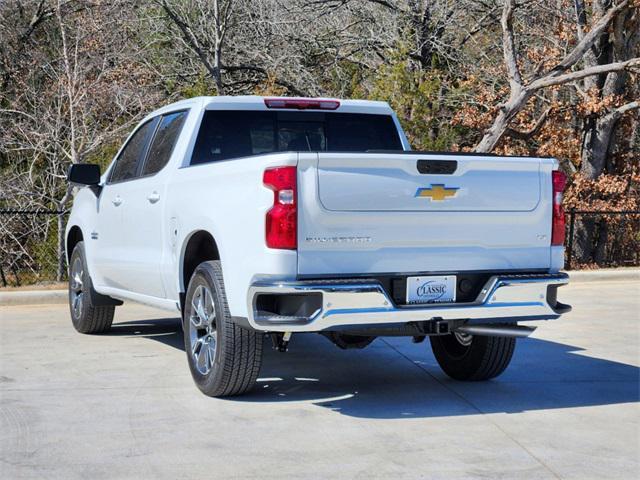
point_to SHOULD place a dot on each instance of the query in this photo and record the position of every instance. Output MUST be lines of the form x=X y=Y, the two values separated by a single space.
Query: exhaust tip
x=516 y=331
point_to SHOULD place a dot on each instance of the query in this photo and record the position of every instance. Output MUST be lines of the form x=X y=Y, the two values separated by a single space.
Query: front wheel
x=224 y=358
x=87 y=317
x=475 y=358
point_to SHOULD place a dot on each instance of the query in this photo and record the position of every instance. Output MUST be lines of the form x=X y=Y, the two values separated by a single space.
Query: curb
x=614 y=274
x=34 y=297
x=40 y=297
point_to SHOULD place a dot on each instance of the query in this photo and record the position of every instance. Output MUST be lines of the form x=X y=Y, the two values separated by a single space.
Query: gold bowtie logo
x=437 y=192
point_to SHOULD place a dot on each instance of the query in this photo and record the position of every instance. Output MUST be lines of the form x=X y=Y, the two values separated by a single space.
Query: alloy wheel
x=464 y=338
x=203 y=335
x=76 y=287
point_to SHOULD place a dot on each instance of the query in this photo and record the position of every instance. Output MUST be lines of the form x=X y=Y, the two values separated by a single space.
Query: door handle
x=117 y=201
x=153 y=197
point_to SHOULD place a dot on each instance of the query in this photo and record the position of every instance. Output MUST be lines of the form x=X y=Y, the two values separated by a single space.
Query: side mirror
x=85 y=175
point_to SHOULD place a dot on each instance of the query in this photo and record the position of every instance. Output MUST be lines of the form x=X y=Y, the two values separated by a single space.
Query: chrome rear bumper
x=343 y=303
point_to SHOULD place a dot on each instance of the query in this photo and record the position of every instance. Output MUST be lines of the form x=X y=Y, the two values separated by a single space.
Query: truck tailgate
x=365 y=213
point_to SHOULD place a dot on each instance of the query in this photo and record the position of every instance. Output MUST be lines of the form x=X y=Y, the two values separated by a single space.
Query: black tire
x=85 y=316
x=473 y=358
x=347 y=342
x=235 y=359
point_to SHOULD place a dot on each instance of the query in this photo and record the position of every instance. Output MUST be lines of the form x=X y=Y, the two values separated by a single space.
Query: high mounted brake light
x=302 y=103
x=559 y=181
x=282 y=219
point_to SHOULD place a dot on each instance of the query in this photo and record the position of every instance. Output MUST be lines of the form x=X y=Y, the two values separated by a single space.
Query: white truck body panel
x=357 y=215
x=360 y=214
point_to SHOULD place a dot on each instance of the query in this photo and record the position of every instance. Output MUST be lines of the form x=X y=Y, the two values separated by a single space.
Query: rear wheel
x=85 y=315
x=475 y=358
x=224 y=358
x=346 y=341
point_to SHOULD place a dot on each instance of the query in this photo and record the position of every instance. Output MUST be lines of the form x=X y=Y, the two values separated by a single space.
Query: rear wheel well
x=74 y=236
x=201 y=248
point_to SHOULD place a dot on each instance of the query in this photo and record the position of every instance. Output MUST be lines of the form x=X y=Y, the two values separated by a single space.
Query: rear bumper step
x=311 y=306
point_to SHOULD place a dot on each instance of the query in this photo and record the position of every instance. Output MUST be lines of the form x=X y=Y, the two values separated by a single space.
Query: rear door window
x=163 y=142
x=132 y=155
x=226 y=134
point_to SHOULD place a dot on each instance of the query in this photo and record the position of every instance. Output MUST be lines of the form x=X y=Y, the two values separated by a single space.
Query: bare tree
x=204 y=26
x=616 y=45
x=73 y=103
x=521 y=91
x=223 y=35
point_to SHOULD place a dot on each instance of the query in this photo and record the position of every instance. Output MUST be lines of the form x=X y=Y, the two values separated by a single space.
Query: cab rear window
x=226 y=134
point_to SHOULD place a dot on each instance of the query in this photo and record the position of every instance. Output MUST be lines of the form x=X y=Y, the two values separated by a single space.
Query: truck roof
x=255 y=102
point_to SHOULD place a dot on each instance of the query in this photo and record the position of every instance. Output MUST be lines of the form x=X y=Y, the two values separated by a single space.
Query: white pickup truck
x=261 y=216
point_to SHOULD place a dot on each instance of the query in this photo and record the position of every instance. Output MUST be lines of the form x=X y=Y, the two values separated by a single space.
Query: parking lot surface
x=123 y=405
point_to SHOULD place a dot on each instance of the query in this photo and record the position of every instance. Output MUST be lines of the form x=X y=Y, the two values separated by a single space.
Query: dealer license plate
x=430 y=289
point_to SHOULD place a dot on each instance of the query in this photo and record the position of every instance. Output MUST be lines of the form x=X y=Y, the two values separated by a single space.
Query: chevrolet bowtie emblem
x=436 y=192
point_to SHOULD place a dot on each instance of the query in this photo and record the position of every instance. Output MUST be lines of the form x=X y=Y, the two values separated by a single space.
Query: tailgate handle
x=437 y=167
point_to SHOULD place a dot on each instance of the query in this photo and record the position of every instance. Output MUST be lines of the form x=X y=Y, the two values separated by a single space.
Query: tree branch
x=548 y=81
x=588 y=40
x=618 y=112
x=38 y=17
x=192 y=41
x=252 y=68
x=519 y=94
x=480 y=25
x=508 y=45
x=528 y=134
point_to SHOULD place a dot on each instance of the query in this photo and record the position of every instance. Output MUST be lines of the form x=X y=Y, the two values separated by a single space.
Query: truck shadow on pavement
x=394 y=378
x=163 y=330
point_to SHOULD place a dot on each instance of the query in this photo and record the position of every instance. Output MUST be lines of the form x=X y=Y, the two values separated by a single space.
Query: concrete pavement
x=123 y=405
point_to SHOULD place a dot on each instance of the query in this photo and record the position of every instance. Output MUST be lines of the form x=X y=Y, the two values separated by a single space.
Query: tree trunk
x=599 y=128
x=507 y=112
x=583 y=243
x=596 y=145
x=600 y=253
x=60 y=244
x=217 y=55
x=60 y=250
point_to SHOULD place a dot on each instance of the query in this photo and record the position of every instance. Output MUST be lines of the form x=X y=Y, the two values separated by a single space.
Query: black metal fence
x=615 y=242
x=30 y=249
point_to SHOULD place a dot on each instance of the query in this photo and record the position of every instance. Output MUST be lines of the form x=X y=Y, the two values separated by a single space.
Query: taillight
x=282 y=218
x=559 y=181
x=302 y=103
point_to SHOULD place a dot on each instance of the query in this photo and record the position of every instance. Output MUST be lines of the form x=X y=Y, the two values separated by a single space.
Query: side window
x=163 y=142
x=228 y=134
x=127 y=163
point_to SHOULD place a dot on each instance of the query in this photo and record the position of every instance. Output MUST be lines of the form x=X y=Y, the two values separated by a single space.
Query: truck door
x=110 y=240
x=145 y=219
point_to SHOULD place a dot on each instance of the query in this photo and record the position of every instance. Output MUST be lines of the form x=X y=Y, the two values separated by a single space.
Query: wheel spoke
x=77 y=272
x=194 y=347
x=196 y=307
x=209 y=309
x=77 y=282
x=77 y=303
x=209 y=356
x=201 y=311
x=195 y=320
x=211 y=347
x=201 y=357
